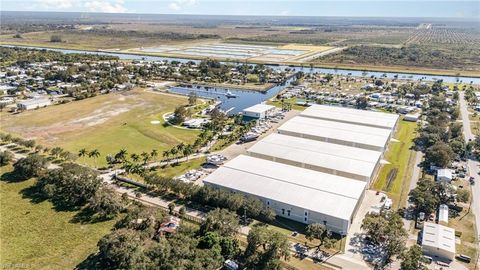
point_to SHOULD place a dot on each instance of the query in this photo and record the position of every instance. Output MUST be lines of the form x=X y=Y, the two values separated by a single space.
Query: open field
x=394 y=178
x=107 y=123
x=37 y=236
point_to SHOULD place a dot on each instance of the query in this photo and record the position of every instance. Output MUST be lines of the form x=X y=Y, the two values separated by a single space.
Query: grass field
x=107 y=123
x=36 y=236
x=400 y=168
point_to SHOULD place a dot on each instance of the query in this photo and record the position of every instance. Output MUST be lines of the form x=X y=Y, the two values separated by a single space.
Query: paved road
x=473 y=165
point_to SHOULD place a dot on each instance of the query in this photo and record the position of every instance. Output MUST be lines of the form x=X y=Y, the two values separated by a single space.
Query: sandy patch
x=154 y=122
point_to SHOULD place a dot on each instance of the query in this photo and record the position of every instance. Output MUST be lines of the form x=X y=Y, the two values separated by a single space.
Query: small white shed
x=443 y=214
x=444 y=175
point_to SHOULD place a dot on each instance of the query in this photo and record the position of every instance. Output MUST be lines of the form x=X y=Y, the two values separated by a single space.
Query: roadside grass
x=107 y=123
x=34 y=234
x=291 y=101
x=399 y=170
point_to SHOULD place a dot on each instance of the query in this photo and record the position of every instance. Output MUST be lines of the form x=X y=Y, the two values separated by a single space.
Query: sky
x=356 y=8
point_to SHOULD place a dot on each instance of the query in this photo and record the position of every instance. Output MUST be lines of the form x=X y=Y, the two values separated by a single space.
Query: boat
x=230 y=94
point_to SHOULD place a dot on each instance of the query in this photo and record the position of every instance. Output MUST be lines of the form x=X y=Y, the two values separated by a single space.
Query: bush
x=55 y=38
x=30 y=166
x=5 y=158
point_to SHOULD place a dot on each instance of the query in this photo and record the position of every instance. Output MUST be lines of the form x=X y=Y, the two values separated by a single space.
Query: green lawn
x=39 y=237
x=401 y=160
x=107 y=123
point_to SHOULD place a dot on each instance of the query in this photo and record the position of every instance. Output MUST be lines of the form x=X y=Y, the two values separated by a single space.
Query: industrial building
x=31 y=104
x=352 y=116
x=336 y=159
x=316 y=168
x=300 y=194
x=438 y=241
x=258 y=111
x=365 y=137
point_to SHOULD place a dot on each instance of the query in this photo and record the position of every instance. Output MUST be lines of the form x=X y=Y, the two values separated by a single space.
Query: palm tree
x=154 y=153
x=145 y=157
x=187 y=151
x=174 y=152
x=82 y=153
x=166 y=154
x=95 y=154
x=135 y=157
x=121 y=155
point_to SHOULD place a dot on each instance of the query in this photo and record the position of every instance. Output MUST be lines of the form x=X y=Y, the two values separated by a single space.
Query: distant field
x=107 y=123
x=36 y=236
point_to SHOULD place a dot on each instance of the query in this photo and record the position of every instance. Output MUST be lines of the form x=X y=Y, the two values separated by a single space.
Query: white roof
x=439 y=237
x=315 y=191
x=259 y=108
x=443 y=213
x=336 y=157
x=446 y=173
x=354 y=134
x=28 y=102
x=354 y=116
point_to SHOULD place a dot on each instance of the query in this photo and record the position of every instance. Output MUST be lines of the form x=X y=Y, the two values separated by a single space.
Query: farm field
x=106 y=123
x=394 y=178
x=37 y=236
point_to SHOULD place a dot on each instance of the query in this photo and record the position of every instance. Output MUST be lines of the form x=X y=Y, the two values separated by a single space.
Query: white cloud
x=181 y=4
x=56 y=4
x=106 y=6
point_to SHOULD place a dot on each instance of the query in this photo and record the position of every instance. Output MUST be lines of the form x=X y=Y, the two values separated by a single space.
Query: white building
x=443 y=214
x=31 y=104
x=360 y=136
x=303 y=195
x=258 y=111
x=438 y=241
x=444 y=175
x=352 y=116
x=356 y=163
x=411 y=117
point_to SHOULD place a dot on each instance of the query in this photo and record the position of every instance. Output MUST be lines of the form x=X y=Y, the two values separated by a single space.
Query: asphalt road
x=473 y=165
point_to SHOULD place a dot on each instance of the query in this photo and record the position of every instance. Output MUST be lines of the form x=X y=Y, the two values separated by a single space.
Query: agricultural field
x=132 y=120
x=37 y=236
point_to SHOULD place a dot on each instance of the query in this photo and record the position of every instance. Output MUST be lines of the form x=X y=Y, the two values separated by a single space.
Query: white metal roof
x=29 y=102
x=353 y=134
x=445 y=173
x=438 y=236
x=351 y=160
x=315 y=191
x=354 y=116
x=259 y=108
x=443 y=213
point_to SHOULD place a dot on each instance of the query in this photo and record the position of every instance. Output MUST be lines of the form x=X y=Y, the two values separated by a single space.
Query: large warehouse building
x=316 y=168
x=336 y=159
x=303 y=195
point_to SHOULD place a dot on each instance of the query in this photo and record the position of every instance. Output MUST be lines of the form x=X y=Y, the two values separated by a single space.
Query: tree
x=171 y=208
x=5 y=157
x=135 y=157
x=265 y=248
x=106 y=203
x=316 y=231
x=463 y=195
x=413 y=259
x=192 y=98
x=179 y=115
x=154 y=154
x=121 y=156
x=440 y=154
x=121 y=249
x=145 y=157
x=361 y=103
x=82 y=153
x=387 y=232
x=424 y=197
x=56 y=151
x=182 y=211
x=71 y=185
x=222 y=221
x=55 y=38
x=30 y=166
x=95 y=154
